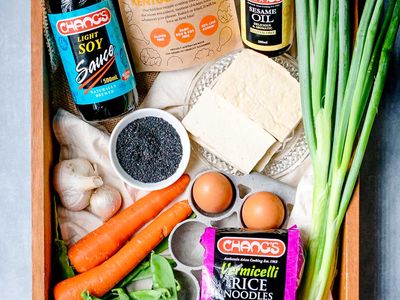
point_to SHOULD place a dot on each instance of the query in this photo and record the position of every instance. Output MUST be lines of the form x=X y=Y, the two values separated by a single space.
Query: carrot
x=99 y=280
x=102 y=243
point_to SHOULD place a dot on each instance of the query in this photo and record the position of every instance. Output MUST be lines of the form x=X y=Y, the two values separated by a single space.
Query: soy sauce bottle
x=95 y=59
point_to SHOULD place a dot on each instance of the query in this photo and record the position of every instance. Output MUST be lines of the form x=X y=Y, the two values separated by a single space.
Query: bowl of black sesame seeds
x=149 y=149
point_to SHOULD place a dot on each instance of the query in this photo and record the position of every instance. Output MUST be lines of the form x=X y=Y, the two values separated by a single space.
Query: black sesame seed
x=149 y=149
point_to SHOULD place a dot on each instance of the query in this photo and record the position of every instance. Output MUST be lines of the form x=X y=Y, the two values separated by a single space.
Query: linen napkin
x=78 y=139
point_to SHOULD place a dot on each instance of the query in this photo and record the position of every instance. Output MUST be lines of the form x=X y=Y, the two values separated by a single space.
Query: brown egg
x=263 y=211
x=213 y=192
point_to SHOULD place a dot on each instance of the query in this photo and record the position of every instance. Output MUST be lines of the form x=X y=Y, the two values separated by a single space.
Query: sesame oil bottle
x=267 y=25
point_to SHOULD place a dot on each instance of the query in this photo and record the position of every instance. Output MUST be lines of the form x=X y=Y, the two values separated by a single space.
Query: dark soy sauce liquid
x=110 y=108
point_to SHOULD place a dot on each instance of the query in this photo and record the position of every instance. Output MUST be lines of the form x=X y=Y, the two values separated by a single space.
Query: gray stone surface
x=15 y=206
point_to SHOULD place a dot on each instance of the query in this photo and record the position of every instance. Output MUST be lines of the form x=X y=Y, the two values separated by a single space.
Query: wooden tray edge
x=41 y=157
x=349 y=286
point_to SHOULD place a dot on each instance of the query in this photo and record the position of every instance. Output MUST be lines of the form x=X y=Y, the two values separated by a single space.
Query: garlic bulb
x=74 y=180
x=105 y=202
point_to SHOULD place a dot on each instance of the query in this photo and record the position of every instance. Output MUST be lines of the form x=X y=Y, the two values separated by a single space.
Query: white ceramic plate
x=139 y=114
x=293 y=150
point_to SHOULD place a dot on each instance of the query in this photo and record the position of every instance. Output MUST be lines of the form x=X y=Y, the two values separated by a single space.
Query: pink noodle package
x=245 y=264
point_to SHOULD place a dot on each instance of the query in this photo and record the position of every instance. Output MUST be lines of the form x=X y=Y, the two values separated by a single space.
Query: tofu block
x=227 y=132
x=264 y=90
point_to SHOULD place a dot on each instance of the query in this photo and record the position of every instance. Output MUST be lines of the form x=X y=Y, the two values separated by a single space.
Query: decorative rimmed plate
x=293 y=150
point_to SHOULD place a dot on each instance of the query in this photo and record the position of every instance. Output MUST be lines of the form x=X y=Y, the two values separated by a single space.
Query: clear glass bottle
x=95 y=59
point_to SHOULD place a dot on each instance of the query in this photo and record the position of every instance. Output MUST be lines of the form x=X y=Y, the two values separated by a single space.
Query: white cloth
x=169 y=91
x=80 y=139
x=301 y=212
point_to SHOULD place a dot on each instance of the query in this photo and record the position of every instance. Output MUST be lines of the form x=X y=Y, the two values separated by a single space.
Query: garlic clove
x=74 y=225
x=74 y=180
x=105 y=202
x=75 y=200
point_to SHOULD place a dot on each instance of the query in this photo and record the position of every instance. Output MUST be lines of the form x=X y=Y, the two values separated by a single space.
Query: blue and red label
x=93 y=53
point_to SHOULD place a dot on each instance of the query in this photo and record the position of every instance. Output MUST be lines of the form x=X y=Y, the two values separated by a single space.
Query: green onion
x=372 y=107
x=340 y=95
x=313 y=20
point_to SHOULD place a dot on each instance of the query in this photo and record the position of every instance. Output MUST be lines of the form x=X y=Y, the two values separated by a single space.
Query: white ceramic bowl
x=142 y=113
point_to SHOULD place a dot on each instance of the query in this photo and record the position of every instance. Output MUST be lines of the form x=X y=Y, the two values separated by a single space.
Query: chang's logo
x=251 y=247
x=84 y=23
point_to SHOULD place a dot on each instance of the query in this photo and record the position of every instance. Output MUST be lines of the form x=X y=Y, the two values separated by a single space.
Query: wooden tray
x=42 y=162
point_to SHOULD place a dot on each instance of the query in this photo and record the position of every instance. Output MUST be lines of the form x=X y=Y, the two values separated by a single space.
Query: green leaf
x=171 y=262
x=131 y=277
x=161 y=247
x=63 y=265
x=178 y=286
x=155 y=294
x=61 y=250
x=163 y=275
x=142 y=271
x=122 y=295
x=86 y=296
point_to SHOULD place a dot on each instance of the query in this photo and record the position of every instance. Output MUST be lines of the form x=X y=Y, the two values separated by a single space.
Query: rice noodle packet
x=247 y=264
